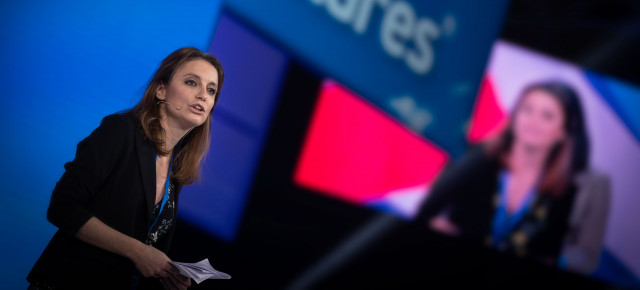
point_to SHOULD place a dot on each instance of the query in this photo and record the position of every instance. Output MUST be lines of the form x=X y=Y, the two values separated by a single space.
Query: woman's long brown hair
x=567 y=157
x=192 y=149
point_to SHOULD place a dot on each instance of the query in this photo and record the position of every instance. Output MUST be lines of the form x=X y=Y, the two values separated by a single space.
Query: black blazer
x=469 y=189
x=112 y=178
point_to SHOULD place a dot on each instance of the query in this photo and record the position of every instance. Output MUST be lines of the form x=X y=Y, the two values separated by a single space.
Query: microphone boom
x=178 y=108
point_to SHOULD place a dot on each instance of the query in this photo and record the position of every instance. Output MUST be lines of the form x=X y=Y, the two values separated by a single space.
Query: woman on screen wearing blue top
x=115 y=205
x=529 y=190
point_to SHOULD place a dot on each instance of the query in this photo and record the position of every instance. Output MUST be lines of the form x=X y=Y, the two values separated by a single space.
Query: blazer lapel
x=146 y=157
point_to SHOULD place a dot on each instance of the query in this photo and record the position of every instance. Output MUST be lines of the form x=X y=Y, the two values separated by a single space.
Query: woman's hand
x=443 y=225
x=152 y=262
x=175 y=282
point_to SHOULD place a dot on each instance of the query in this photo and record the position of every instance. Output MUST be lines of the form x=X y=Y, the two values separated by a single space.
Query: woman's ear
x=160 y=92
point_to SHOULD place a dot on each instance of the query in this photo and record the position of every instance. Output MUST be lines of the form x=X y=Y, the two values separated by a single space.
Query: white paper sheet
x=200 y=271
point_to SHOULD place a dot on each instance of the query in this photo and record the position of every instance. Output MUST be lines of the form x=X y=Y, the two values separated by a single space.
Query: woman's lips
x=194 y=109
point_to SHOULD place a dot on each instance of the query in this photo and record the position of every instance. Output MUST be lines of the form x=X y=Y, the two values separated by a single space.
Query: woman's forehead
x=201 y=68
x=542 y=97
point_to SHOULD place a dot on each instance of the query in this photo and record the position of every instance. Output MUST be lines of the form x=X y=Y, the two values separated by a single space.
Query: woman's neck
x=173 y=132
x=524 y=158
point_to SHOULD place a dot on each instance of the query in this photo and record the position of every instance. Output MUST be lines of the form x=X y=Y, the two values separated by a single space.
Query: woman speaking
x=115 y=205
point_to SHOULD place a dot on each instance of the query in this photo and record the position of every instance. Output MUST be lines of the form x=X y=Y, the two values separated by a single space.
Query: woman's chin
x=191 y=123
x=536 y=146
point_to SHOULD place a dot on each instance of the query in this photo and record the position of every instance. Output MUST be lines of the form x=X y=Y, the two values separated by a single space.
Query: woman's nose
x=202 y=95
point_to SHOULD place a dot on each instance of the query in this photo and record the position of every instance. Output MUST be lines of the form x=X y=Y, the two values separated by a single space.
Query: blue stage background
x=66 y=65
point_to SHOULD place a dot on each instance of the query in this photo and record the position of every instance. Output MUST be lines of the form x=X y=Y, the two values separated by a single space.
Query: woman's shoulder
x=119 y=119
x=593 y=186
x=591 y=176
x=477 y=155
x=473 y=164
x=121 y=123
x=116 y=129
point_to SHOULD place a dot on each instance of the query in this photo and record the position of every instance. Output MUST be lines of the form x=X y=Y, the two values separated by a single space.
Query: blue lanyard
x=502 y=222
x=166 y=191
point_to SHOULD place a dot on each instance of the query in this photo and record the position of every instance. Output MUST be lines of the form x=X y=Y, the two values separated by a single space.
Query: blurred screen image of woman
x=529 y=191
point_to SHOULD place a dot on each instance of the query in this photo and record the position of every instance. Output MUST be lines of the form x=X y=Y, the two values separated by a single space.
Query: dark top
x=469 y=191
x=112 y=178
x=165 y=220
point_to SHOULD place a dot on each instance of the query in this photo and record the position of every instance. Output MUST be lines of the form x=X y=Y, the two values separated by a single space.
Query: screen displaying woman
x=529 y=191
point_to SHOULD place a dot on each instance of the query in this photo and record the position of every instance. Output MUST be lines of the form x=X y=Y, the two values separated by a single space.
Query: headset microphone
x=178 y=108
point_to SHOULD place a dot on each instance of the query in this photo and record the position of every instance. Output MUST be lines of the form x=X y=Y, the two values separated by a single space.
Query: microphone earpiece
x=161 y=101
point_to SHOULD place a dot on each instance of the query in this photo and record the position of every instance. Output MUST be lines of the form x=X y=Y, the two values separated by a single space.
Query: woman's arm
x=583 y=248
x=96 y=157
x=150 y=261
x=452 y=183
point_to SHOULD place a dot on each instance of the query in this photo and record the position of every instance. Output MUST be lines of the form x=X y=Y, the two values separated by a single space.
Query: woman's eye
x=190 y=82
x=211 y=91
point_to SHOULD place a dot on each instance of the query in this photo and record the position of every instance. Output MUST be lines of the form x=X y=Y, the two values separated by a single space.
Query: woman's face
x=192 y=89
x=539 y=121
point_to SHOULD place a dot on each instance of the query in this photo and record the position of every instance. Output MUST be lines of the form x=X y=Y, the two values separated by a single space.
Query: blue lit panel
x=253 y=73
